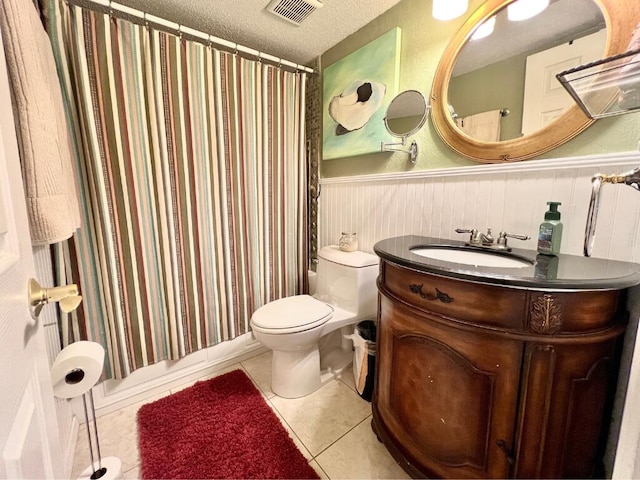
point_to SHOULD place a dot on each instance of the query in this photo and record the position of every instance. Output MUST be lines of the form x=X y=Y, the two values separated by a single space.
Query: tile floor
x=331 y=427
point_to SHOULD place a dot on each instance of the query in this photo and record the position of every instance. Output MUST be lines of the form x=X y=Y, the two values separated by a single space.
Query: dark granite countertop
x=563 y=272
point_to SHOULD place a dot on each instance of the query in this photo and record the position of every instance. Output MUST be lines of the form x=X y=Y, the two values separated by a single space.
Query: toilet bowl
x=305 y=332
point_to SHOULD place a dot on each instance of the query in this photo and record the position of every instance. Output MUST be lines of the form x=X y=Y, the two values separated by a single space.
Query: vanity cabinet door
x=446 y=397
x=566 y=390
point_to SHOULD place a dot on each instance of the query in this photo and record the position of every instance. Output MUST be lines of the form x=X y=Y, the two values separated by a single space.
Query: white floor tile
x=118 y=435
x=359 y=454
x=259 y=369
x=292 y=434
x=324 y=416
x=133 y=474
x=318 y=470
x=346 y=377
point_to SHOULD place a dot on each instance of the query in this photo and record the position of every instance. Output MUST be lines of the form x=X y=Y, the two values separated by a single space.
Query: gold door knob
x=66 y=295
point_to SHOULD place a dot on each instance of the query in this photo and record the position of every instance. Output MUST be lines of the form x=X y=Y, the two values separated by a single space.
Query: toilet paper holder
x=66 y=296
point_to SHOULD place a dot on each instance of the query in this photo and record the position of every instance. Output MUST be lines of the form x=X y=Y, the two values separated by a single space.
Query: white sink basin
x=472 y=257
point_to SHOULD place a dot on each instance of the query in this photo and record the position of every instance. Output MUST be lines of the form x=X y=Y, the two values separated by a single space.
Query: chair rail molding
x=608 y=160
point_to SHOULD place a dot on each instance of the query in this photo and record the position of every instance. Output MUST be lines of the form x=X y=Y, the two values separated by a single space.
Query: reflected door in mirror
x=544 y=97
x=489 y=73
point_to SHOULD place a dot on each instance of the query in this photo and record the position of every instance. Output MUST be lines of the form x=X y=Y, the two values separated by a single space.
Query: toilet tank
x=347 y=280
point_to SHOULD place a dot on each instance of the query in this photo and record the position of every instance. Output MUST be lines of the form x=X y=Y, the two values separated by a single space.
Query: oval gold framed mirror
x=620 y=17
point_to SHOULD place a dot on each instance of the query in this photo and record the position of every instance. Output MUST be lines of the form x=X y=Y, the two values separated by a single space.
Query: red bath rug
x=218 y=428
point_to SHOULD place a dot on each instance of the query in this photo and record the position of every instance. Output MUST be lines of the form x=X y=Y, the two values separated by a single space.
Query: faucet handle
x=502 y=238
x=474 y=238
x=517 y=236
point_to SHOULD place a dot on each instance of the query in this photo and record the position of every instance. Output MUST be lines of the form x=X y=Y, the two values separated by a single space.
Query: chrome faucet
x=486 y=240
x=477 y=237
x=631 y=178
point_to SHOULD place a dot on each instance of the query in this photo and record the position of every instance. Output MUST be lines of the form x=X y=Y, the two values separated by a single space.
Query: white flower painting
x=356 y=104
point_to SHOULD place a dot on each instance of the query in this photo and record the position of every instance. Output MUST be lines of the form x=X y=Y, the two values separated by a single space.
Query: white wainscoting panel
x=510 y=197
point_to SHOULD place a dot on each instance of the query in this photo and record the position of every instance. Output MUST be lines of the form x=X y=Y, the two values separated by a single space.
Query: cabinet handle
x=443 y=297
x=503 y=446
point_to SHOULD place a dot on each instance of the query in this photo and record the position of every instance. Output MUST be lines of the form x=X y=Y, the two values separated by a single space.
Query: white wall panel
x=510 y=197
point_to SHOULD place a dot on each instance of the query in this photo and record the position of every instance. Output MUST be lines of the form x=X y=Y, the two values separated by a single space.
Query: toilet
x=306 y=332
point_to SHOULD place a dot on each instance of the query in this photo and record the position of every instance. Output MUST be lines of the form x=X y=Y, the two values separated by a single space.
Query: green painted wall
x=497 y=86
x=423 y=41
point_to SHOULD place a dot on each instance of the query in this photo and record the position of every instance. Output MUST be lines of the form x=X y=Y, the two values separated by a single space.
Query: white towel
x=43 y=137
x=483 y=126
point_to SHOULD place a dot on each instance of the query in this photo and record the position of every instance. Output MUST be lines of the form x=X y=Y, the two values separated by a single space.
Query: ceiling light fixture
x=524 y=9
x=448 y=9
x=485 y=29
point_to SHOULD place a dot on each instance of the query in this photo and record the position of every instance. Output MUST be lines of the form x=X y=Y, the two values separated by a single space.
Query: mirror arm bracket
x=394 y=147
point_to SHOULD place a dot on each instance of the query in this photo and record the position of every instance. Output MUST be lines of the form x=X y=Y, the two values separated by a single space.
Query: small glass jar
x=348 y=242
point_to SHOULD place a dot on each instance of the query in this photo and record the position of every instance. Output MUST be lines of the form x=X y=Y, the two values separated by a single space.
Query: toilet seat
x=290 y=315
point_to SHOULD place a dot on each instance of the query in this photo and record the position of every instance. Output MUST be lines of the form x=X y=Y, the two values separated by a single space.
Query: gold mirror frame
x=621 y=17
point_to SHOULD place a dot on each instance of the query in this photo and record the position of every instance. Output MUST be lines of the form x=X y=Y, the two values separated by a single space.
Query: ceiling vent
x=294 y=11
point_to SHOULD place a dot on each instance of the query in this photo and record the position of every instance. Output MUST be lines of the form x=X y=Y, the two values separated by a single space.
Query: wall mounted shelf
x=605 y=88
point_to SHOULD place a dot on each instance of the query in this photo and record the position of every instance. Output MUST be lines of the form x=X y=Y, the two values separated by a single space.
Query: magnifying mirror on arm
x=405 y=115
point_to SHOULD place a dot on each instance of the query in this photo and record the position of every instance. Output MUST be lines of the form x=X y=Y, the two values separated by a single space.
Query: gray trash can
x=364 y=360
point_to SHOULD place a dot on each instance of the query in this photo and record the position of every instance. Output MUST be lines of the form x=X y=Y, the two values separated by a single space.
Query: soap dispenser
x=550 y=234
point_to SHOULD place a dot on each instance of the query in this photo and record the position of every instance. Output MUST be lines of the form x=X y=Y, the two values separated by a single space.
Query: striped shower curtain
x=192 y=175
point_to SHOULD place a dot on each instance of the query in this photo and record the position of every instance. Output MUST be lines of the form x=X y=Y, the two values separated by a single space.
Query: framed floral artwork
x=356 y=91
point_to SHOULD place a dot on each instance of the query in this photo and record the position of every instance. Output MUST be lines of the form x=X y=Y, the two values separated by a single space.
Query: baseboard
x=147 y=382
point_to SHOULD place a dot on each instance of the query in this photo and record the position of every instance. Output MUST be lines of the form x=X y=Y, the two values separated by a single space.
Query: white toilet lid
x=300 y=312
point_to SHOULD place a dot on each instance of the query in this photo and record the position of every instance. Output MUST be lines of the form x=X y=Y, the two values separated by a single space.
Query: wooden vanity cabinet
x=483 y=381
x=438 y=391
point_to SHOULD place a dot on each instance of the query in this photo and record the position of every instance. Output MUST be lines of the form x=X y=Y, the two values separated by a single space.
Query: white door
x=544 y=97
x=29 y=446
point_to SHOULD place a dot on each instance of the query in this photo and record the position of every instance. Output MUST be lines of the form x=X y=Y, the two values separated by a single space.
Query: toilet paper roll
x=77 y=368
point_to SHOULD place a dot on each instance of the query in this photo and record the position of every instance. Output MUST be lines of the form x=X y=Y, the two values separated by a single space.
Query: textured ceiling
x=562 y=21
x=247 y=22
